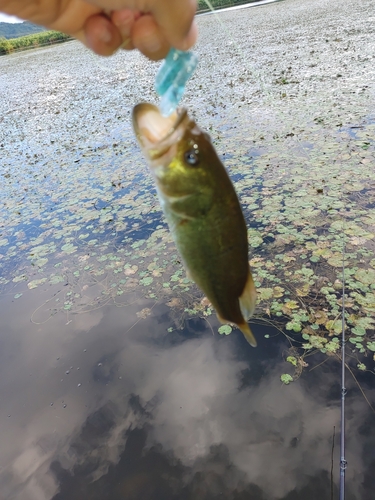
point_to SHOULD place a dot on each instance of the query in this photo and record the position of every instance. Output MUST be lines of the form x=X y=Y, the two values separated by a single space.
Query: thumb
x=176 y=21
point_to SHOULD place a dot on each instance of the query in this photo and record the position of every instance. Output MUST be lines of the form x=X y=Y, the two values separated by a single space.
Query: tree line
x=15 y=30
x=7 y=46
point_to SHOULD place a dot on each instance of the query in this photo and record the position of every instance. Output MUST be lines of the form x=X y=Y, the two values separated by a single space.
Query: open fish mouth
x=156 y=133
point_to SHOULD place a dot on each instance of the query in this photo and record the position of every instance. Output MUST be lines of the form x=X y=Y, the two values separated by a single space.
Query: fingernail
x=151 y=43
x=105 y=34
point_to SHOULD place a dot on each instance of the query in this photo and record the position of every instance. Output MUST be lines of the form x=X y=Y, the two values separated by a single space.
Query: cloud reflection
x=165 y=414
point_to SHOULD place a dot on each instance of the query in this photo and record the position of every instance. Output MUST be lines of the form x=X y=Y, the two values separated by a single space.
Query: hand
x=151 y=26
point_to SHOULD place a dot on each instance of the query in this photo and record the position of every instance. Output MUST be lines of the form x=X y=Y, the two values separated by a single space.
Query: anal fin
x=245 y=329
x=247 y=302
x=248 y=334
x=248 y=298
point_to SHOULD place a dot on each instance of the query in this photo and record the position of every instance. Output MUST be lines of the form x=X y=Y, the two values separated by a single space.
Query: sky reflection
x=113 y=403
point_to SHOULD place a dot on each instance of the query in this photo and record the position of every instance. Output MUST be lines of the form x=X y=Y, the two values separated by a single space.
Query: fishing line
x=256 y=74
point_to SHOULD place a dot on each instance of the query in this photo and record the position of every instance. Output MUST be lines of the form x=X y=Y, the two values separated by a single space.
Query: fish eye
x=191 y=157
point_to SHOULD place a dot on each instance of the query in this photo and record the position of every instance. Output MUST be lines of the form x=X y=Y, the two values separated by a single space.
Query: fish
x=202 y=210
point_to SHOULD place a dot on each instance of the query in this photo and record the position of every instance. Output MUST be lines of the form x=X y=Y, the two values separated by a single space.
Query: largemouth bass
x=202 y=211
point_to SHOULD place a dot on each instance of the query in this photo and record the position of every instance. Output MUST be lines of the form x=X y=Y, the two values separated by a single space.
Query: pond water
x=115 y=382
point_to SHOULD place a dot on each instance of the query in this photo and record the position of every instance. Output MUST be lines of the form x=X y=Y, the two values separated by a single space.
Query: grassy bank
x=31 y=41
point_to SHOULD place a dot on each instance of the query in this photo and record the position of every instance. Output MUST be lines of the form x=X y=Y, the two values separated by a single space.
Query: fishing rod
x=343 y=462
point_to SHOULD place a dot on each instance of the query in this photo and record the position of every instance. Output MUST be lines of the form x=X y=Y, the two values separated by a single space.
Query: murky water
x=115 y=382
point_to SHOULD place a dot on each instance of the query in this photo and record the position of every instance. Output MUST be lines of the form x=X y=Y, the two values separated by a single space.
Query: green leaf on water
x=359 y=330
x=146 y=281
x=54 y=279
x=335 y=260
x=332 y=346
x=365 y=276
x=292 y=360
x=334 y=326
x=264 y=293
x=294 y=325
x=68 y=248
x=286 y=378
x=35 y=283
x=17 y=279
x=225 y=329
x=41 y=262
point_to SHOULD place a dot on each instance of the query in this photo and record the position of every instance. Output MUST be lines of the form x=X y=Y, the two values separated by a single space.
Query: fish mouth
x=156 y=134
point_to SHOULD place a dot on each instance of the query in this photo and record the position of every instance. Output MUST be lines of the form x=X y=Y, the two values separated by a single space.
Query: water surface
x=115 y=382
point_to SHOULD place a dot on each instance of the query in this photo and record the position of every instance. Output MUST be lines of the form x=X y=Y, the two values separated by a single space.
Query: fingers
x=149 y=39
x=101 y=35
x=174 y=20
x=125 y=29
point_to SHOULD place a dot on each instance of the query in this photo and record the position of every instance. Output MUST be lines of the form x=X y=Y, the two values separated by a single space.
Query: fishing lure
x=171 y=79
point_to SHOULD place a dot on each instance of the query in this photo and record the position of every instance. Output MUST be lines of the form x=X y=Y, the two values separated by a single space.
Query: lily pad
x=286 y=378
x=225 y=329
x=366 y=276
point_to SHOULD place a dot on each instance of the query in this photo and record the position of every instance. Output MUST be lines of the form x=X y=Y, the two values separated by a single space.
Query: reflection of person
x=151 y=26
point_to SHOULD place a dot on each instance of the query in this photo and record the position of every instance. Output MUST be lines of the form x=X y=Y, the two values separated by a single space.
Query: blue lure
x=171 y=79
